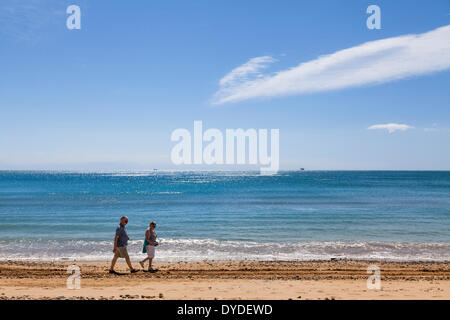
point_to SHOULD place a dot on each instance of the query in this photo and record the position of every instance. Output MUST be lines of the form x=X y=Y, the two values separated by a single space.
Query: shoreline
x=193 y=261
x=197 y=250
x=337 y=279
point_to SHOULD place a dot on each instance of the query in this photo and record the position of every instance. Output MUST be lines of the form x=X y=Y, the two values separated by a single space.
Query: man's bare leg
x=113 y=262
x=127 y=259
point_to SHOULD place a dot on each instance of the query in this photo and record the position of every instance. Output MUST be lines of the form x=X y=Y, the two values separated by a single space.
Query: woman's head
x=153 y=225
x=123 y=220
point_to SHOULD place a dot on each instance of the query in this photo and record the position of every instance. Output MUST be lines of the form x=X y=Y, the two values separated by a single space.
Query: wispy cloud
x=24 y=20
x=390 y=127
x=369 y=63
x=247 y=71
x=436 y=128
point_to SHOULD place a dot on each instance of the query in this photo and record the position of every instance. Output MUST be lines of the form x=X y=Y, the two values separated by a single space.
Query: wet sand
x=341 y=279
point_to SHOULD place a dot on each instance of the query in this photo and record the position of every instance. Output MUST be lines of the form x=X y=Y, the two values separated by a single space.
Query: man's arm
x=115 y=243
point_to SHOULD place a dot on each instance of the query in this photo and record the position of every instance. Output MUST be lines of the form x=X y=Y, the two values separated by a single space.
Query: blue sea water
x=304 y=215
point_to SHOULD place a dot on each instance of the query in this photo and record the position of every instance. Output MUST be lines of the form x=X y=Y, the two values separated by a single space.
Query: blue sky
x=108 y=96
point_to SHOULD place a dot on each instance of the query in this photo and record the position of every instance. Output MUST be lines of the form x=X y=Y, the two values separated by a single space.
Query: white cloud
x=369 y=63
x=390 y=127
x=436 y=129
x=247 y=70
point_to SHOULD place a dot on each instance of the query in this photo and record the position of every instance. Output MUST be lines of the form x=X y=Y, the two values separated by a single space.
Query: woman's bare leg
x=142 y=262
x=150 y=263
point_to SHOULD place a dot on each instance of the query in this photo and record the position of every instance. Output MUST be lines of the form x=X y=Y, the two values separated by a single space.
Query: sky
x=109 y=95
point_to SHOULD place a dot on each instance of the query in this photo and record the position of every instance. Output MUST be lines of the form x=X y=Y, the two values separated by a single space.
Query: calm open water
x=395 y=215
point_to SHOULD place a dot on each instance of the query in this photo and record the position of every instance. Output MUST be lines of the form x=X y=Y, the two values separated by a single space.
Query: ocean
x=294 y=215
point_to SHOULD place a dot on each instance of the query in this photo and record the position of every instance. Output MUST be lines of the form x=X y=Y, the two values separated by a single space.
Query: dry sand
x=340 y=279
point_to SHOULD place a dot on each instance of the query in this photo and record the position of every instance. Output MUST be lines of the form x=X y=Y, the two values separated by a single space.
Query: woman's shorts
x=150 y=251
x=121 y=252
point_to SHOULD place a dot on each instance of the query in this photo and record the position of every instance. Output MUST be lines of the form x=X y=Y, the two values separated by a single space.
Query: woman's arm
x=147 y=236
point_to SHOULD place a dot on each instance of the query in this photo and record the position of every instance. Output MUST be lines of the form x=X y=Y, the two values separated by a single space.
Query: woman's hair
x=153 y=222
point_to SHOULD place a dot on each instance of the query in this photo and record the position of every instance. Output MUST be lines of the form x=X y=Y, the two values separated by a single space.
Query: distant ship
x=302 y=169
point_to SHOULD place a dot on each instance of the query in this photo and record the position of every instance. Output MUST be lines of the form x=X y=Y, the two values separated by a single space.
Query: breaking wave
x=175 y=250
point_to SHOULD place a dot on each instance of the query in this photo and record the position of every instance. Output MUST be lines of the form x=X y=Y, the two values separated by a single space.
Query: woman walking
x=149 y=246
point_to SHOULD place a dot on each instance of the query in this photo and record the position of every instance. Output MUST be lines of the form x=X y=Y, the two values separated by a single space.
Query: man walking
x=120 y=246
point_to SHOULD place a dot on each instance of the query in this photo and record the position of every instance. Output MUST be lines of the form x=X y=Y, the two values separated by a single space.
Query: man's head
x=124 y=220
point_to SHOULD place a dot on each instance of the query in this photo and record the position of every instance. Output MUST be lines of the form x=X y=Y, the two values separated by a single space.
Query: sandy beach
x=341 y=279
